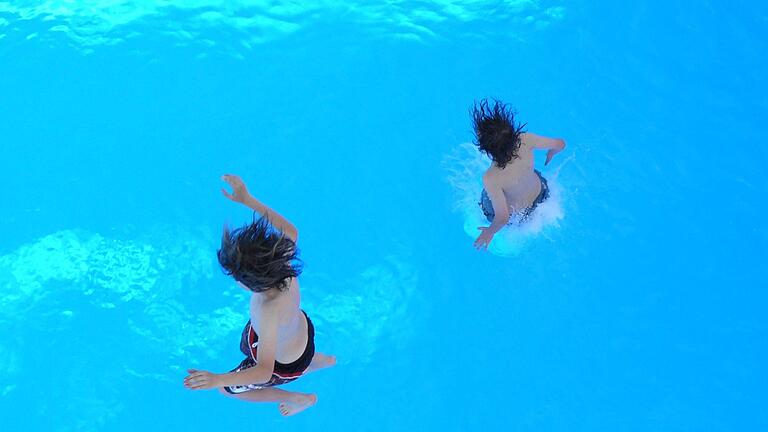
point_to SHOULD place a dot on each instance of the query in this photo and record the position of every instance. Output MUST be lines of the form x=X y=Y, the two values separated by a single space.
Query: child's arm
x=265 y=355
x=554 y=145
x=500 y=209
x=240 y=194
x=259 y=374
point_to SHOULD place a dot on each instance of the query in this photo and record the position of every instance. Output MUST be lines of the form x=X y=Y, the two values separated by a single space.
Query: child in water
x=279 y=339
x=512 y=188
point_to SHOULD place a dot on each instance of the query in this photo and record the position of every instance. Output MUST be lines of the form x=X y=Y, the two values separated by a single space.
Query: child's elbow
x=257 y=375
x=263 y=379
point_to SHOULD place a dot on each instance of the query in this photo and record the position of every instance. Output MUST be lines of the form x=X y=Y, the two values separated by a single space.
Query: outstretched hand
x=201 y=380
x=239 y=191
x=484 y=239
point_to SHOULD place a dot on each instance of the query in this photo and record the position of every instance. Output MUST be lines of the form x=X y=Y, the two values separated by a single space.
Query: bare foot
x=321 y=361
x=297 y=403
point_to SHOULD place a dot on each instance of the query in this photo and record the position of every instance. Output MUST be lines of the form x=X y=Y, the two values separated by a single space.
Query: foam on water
x=465 y=166
x=150 y=287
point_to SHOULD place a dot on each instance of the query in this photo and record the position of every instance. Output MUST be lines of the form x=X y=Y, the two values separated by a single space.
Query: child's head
x=496 y=133
x=259 y=257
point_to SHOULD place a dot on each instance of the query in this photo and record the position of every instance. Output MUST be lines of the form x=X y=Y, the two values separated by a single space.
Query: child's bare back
x=291 y=336
x=517 y=179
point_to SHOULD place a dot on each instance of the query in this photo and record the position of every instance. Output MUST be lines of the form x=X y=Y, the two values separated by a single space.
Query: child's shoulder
x=491 y=174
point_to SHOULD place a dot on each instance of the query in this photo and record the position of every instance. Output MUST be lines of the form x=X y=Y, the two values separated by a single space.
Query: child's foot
x=321 y=361
x=297 y=403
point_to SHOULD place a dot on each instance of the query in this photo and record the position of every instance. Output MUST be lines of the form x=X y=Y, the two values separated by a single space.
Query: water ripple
x=154 y=293
x=92 y=23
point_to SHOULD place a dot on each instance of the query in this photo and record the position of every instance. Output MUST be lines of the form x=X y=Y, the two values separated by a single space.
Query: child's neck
x=269 y=294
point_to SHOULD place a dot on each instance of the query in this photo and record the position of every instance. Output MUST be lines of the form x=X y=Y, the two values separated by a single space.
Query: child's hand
x=239 y=191
x=201 y=380
x=550 y=155
x=553 y=151
x=484 y=239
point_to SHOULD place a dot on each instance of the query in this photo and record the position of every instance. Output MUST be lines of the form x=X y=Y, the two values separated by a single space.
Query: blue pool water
x=637 y=305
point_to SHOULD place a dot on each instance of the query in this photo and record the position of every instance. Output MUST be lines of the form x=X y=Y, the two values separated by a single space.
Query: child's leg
x=320 y=361
x=290 y=402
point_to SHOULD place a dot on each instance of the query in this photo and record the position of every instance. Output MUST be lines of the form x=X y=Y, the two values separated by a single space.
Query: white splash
x=465 y=166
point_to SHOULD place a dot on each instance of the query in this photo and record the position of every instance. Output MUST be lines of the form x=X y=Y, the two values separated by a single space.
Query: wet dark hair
x=259 y=256
x=496 y=133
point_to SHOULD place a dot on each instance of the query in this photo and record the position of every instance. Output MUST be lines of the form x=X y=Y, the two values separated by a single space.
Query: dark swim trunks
x=283 y=373
x=487 y=206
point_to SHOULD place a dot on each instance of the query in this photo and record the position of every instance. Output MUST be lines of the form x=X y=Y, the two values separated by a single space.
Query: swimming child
x=279 y=339
x=512 y=188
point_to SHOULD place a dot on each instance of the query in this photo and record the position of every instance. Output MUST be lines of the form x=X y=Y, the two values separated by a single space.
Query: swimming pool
x=639 y=307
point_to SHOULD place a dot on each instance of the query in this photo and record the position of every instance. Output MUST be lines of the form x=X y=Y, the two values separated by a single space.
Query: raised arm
x=554 y=145
x=241 y=195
